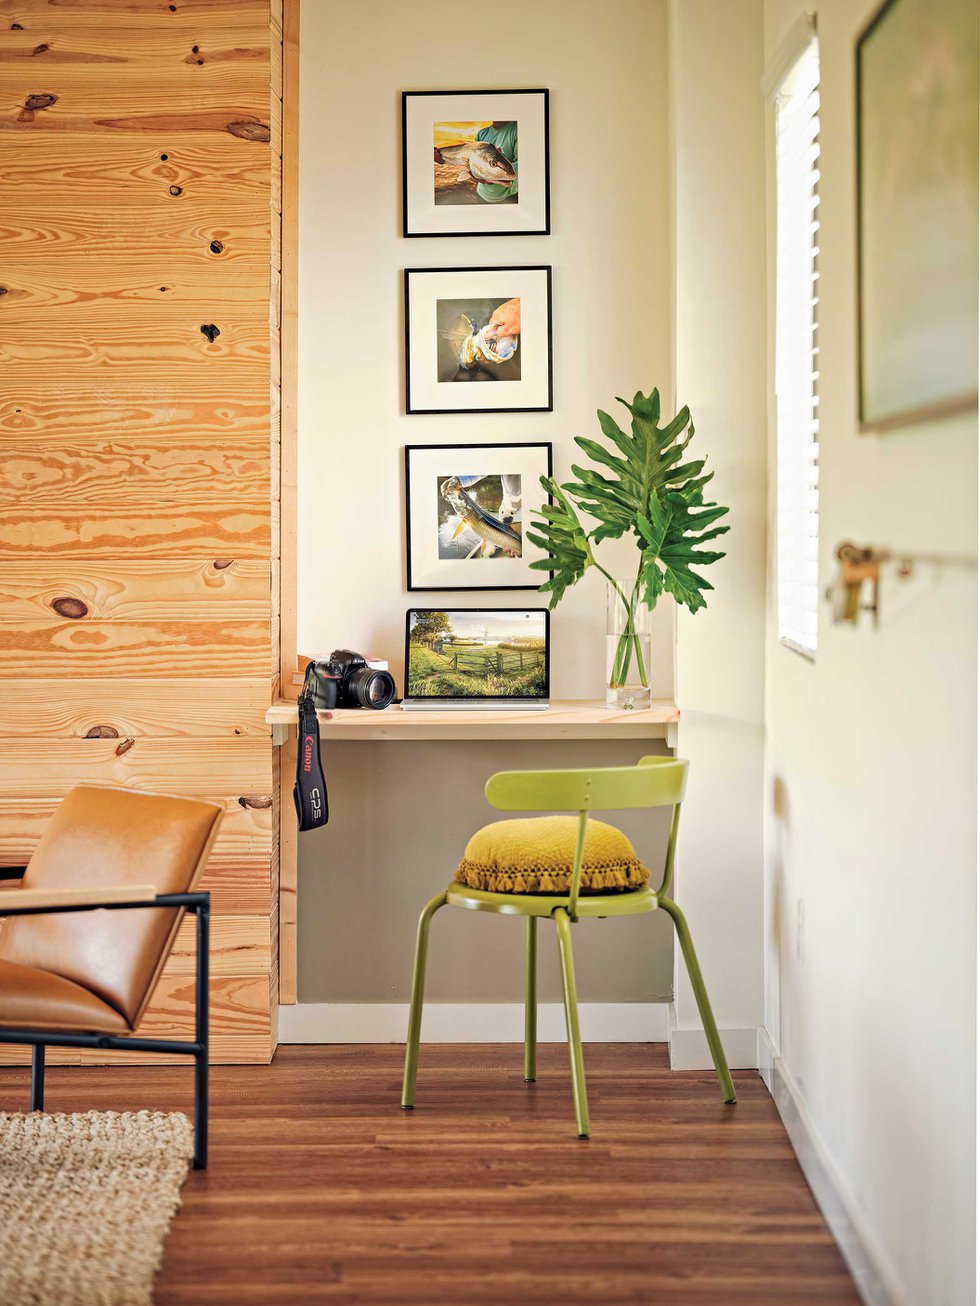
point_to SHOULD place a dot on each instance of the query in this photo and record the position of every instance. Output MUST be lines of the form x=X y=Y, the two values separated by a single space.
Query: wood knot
x=176 y=190
x=124 y=747
x=40 y=49
x=3 y=290
x=71 y=608
x=40 y=101
x=221 y=563
x=211 y=331
x=16 y=27
x=164 y=157
x=102 y=732
x=216 y=247
x=257 y=803
x=250 y=129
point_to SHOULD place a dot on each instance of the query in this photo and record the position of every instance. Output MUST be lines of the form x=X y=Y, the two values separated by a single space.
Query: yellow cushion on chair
x=535 y=855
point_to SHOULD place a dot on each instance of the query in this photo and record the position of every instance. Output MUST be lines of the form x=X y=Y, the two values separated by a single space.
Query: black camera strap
x=310 y=790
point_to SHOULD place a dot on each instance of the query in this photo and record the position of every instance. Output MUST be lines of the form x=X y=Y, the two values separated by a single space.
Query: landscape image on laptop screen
x=475 y=654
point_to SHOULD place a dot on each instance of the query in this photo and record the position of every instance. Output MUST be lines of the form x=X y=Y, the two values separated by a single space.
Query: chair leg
x=202 y=1002
x=37 y=1077
x=701 y=995
x=418 y=998
x=571 y=1022
x=531 y=1002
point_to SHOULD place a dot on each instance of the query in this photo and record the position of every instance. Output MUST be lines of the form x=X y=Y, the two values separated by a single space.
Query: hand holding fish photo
x=480 y=516
x=460 y=171
x=475 y=162
x=479 y=339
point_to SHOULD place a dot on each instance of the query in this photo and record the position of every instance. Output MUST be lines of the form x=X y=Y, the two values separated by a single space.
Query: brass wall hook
x=856 y=587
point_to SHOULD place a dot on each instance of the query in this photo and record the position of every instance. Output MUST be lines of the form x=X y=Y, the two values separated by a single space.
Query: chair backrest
x=103 y=836
x=653 y=782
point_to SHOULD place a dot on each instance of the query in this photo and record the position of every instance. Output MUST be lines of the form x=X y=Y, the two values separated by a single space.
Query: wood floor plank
x=320 y=1190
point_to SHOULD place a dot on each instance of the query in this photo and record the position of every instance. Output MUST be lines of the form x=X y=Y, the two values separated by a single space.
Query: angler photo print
x=477 y=325
x=465 y=515
x=479 y=339
x=475 y=163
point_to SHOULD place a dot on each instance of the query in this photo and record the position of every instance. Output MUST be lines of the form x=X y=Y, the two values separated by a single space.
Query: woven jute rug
x=85 y=1204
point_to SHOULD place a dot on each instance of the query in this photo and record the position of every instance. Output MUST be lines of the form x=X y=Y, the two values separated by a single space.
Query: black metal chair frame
x=200 y=905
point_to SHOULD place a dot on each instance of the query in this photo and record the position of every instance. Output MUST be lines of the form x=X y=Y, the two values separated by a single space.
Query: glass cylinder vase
x=629 y=644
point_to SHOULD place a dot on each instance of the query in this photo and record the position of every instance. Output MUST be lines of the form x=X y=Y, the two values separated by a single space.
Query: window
x=797 y=100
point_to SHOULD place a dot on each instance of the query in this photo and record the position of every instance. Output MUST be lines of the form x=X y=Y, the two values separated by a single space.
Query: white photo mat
x=425 y=466
x=425 y=287
x=422 y=216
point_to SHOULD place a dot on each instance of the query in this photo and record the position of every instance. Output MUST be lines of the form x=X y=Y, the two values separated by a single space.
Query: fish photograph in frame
x=478 y=340
x=475 y=163
x=466 y=508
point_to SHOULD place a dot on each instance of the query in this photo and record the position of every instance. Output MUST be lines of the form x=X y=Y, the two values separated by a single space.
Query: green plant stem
x=629 y=639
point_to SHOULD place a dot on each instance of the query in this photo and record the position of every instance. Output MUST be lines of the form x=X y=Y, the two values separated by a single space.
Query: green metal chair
x=653 y=782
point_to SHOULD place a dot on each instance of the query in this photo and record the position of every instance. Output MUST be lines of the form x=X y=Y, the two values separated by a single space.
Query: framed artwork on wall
x=917 y=109
x=475 y=163
x=478 y=340
x=466 y=506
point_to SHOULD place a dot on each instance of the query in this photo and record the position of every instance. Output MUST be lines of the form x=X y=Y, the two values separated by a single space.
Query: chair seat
x=31 y=998
x=626 y=902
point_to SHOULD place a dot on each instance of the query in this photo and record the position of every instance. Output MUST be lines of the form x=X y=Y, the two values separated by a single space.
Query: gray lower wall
x=400 y=816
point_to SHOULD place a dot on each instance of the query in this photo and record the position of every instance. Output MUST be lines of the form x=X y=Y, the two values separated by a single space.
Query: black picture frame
x=410 y=581
x=548 y=407
x=480 y=698
x=543 y=230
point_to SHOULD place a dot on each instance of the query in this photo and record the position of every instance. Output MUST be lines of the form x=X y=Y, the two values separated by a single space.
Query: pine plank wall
x=140 y=199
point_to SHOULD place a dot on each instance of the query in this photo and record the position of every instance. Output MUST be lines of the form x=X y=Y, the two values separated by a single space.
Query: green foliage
x=652 y=493
x=564 y=537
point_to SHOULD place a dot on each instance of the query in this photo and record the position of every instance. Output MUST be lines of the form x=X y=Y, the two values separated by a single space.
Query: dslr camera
x=346 y=680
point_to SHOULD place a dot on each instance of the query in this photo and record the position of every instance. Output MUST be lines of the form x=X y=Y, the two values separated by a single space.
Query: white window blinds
x=797 y=375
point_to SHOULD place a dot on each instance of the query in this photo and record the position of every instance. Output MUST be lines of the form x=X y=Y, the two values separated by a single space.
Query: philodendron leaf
x=649 y=464
x=562 y=536
x=672 y=532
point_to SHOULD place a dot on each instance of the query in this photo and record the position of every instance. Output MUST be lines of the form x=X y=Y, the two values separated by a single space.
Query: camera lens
x=372 y=688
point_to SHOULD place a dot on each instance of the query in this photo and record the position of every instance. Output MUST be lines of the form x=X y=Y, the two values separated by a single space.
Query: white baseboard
x=876 y=1283
x=443 y=1022
x=689 y=1048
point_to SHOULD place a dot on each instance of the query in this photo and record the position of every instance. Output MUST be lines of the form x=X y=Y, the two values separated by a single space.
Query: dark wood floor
x=321 y=1189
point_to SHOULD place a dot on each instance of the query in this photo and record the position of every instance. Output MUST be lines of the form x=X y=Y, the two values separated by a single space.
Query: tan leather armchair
x=71 y=976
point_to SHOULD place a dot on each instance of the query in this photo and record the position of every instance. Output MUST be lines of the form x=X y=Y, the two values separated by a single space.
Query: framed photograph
x=461 y=174
x=465 y=510
x=917 y=110
x=478 y=340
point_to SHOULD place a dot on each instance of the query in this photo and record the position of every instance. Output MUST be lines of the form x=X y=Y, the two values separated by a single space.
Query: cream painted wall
x=871 y=793
x=718 y=195
x=605 y=66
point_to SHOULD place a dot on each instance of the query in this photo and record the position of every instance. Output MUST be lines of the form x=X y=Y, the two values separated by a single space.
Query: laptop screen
x=477 y=653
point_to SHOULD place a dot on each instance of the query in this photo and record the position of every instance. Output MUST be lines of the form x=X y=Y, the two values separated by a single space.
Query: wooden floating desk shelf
x=571 y=719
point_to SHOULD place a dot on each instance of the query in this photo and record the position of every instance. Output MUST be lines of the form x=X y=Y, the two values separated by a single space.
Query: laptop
x=468 y=659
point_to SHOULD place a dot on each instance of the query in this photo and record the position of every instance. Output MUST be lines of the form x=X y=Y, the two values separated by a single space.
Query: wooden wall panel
x=139 y=445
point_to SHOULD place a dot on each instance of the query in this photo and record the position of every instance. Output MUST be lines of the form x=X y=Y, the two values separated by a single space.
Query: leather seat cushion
x=37 y=999
x=102 y=836
x=535 y=855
